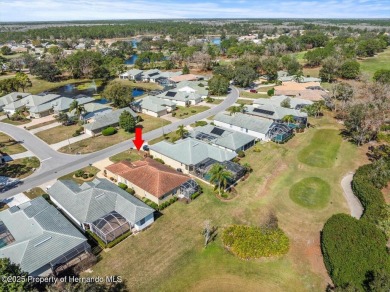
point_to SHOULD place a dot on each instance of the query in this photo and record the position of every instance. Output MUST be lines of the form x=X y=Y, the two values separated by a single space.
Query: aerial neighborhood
x=170 y=155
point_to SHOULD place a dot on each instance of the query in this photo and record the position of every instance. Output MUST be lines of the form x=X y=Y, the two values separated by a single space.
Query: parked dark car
x=145 y=147
x=68 y=123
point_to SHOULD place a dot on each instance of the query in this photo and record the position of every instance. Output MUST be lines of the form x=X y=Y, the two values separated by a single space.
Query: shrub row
x=167 y=203
x=252 y=242
x=195 y=195
x=109 y=131
x=122 y=186
x=150 y=203
x=102 y=244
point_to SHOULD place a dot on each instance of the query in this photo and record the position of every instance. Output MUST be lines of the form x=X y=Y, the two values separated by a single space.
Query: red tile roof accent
x=155 y=178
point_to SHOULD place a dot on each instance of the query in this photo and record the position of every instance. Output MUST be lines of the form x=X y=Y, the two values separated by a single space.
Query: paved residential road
x=55 y=164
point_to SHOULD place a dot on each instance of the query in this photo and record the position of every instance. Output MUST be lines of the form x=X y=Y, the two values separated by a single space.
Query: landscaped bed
x=78 y=176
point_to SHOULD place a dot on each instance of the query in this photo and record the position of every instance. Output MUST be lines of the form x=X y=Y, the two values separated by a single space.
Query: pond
x=131 y=60
x=216 y=41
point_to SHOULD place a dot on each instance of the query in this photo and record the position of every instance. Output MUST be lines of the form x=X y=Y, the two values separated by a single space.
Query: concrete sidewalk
x=66 y=142
x=18 y=156
x=53 y=125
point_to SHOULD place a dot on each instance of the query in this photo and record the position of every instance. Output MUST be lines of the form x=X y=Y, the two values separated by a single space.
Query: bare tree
x=209 y=232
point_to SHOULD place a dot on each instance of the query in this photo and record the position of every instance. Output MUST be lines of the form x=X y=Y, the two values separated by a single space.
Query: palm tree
x=78 y=108
x=220 y=176
x=241 y=108
x=289 y=119
x=234 y=109
x=181 y=131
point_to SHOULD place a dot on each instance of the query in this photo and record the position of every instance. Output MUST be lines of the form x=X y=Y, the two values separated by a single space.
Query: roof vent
x=43 y=241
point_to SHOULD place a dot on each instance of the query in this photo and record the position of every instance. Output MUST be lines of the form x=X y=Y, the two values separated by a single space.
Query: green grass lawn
x=100 y=142
x=16 y=123
x=9 y=146
x=311 y=193
x=89 y=169
x=254 y=95
x=141 y=85
x=20 y=168
x=215 y=101
x=41 y=125
x=170 y=137
x=244 y=101
x=130 y=155
x=169 y=256
x=373 y=64
x=34 y=193
x=57 y=134
x=185 y=112
x=323 y=149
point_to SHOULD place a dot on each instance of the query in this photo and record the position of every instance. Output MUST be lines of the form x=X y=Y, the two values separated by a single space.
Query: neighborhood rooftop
x=108 y=119
x=38 y=234
x=256 y=124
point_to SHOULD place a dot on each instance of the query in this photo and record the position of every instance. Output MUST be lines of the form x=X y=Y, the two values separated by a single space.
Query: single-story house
x=223 y=137
x=152 y=180
x=110 y=119
x=181 y=98
x=184 y=77
x=133 y=74
x=39 y=238
x=92 y=111
x=153 y=106
x=61 y=104
x=185 y=154
x=12 y=97
x=295 y=103
x=250 y=125
x=32 y=102
x=151 y=75
x=198 y=87
x=101 y=207
x=276 y=113
x=284 y=77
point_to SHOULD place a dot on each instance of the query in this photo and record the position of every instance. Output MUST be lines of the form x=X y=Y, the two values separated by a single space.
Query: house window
x=142 y=221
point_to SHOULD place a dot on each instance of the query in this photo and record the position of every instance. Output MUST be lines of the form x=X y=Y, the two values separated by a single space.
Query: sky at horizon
x=61 y=10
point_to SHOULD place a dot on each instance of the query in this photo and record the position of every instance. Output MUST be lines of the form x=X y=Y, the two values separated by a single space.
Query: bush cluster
x=109 y=131
x=111 y=244
x=122 y=186
x=252 y=242
x=167 y=203
x=200 y=123
x=195 y=195
x=241 y=154
x=159 y=160
x=351 y=249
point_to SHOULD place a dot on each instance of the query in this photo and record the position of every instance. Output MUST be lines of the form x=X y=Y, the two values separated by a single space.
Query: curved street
x=55 y=164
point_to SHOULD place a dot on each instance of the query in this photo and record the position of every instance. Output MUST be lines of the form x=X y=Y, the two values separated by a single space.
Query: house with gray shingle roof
x=92 y=111
x=223 y=137
x=276 y=113
x=153 y=106
x=102 y=207
x=102 y=122
x=12 y=97
x=38 y=237
x=295 y=103
x=185 y=154
x=255 y=126
x=198 y=87
x=181 y=98
x=40 y=105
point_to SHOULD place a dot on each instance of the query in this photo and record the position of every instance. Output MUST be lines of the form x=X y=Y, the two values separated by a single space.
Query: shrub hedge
x=122 y=186
x=109 y=131
x=352 y=248
x=252 y=242
x=102 y=244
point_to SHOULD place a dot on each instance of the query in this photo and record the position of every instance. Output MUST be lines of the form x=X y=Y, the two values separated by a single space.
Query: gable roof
x=194 y=85
x=190 y=151
x=256 y=124
x=153 y=103
x=223 y=137
x=184 y=77
x=155 y=178
x=11 y=97
x=276 y=100
x=174 y=94
x=270 y=111
x=108 y=119
x=95 y=199
x=41 y=233
x=63 y=103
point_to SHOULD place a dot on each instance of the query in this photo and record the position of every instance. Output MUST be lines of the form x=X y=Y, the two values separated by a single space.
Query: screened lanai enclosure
x=280 y=133
x=202 y=169
x=110 y=226
x=188 y=188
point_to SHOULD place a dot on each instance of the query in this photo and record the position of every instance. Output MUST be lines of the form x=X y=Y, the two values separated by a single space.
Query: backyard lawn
x=9 y=146
x=323 y=149
x=185 y=112
x=97 y=143
x=140 y=85
x=169 y=256
x=57 y=134
x=20 y=168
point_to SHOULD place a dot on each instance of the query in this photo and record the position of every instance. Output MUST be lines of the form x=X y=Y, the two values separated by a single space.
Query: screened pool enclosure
x=110 y=226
